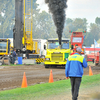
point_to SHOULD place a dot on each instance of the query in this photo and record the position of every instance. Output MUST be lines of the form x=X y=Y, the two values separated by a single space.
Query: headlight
x=47 y=59
x=66 y=58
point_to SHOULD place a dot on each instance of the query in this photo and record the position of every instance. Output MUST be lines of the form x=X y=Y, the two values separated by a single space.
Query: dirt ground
x=11 y=76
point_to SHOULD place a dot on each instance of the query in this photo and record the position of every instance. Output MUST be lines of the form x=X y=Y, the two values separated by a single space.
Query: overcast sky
x=89 y=9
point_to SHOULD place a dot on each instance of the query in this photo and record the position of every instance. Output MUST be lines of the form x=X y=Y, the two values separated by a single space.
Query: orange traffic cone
x=51 y=77
x=90 y=71
x=24 y=81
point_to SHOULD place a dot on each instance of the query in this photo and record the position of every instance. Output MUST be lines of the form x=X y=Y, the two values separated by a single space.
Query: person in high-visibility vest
x=74 y=71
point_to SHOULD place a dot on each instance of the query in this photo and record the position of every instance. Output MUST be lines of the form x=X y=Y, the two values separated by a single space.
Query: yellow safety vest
x=76 y=57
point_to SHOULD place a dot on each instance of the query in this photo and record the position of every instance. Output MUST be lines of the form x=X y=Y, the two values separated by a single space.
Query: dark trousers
x=75 y=84
x=13 y=60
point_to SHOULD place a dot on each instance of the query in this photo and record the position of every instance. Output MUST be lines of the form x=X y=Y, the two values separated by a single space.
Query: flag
x=95 y=43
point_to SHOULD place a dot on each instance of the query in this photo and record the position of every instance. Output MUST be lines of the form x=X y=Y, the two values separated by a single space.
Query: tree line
x=43 y=25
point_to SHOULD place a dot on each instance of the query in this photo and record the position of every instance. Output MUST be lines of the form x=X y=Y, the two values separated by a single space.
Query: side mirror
x=44 y=47
x=72 y=47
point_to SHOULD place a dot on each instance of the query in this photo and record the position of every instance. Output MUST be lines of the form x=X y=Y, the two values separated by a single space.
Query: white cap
x=78 y=49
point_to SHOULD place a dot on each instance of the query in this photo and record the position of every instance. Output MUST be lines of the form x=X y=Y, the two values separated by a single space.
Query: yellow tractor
x=4 y=51
x=56 y=55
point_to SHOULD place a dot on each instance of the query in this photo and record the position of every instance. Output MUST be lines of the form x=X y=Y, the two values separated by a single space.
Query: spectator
x=74 y=71
x=14 y=56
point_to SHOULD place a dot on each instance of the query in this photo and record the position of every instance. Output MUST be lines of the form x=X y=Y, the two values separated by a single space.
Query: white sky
x=89 y=9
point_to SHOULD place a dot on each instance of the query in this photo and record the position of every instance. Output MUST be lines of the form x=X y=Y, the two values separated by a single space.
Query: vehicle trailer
x=57 y=56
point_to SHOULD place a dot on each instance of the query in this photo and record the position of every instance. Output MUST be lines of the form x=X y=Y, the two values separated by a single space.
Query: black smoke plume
x=57 y=8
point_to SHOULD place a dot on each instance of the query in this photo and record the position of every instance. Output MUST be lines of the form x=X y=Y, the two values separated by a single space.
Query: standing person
x=14 y=56
x=74 y=71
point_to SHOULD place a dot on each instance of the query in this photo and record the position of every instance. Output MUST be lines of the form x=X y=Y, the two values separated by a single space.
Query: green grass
x=47 y=89
x=13 y=65
x=18 y=64
x=21 y=64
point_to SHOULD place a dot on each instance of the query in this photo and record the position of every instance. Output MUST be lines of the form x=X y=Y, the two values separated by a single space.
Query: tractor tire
x=96 y=64
x=46 y=66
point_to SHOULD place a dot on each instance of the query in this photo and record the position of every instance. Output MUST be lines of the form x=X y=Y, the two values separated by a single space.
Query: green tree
x=98 y=41
x=77 y=24
x=7 y=16
x=43 y=26
x=93 y=34
x=97 y=20
x=94 y=30
x=35 y=5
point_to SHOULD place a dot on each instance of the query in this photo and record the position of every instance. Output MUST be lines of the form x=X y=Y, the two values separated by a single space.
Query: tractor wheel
x=46 y=66
x=37 y=62
x=96 y=64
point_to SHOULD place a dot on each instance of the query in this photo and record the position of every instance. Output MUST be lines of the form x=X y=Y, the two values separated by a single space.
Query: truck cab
x=4 y=51
x=77 y=39
x=4 y=47
x=56 y=55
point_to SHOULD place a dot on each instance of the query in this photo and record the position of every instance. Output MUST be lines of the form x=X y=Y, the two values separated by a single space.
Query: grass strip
x=47 y=89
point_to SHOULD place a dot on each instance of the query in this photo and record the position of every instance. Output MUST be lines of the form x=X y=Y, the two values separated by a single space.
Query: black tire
x=46 y=66
x=96 y=64
x=37 y=62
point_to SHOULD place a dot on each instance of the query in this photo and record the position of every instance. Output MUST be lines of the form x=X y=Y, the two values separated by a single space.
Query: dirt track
x=11 y=76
